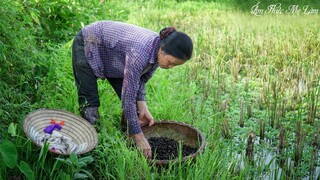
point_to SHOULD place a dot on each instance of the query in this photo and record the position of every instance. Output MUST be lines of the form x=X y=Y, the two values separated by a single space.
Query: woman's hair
x=175 y=43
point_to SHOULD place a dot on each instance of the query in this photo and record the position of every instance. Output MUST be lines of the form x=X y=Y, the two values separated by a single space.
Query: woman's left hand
x=145 y=117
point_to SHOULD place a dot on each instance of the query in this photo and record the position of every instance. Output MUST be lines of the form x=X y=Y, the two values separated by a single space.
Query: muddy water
x=267 y=156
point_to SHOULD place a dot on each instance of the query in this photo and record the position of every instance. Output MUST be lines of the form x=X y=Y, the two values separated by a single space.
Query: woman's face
x=166 y=61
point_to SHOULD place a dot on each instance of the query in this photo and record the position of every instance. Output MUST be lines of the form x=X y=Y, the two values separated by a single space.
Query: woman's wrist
x=138 y=137
x=142 y=105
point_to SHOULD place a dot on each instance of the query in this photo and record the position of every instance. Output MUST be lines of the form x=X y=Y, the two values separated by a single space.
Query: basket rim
x=200 y=150
x=64 y=112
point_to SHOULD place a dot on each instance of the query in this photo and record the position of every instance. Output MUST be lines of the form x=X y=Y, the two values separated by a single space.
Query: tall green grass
x=270 y=62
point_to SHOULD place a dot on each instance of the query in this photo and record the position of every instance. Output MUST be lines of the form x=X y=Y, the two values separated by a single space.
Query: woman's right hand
x=142 y=144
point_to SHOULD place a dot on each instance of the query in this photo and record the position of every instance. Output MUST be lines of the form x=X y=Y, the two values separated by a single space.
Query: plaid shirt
x=120 y=50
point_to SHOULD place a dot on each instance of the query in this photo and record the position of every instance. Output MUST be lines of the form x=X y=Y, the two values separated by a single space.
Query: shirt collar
x=155 y=49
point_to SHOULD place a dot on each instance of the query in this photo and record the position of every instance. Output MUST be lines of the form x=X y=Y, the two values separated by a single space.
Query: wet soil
x=166 y=149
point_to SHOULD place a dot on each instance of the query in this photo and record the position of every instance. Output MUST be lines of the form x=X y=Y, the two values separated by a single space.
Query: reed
x=262 y=129
x=250 y=146
x=298 y=146
x=313 y=97
x=225 y=130
x=281 y=147
x=274 y=102
x=282 y=139
x=314 y=155
x=249 y=111
x=241 y=118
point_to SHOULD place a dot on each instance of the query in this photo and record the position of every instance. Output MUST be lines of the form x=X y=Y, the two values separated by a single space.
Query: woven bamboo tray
x=75 y=127
x=177 y=131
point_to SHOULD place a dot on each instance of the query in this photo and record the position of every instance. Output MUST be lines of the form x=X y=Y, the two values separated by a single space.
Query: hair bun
x=165 y=32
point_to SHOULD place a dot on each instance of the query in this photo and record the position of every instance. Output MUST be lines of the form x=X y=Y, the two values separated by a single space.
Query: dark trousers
x=85 y=80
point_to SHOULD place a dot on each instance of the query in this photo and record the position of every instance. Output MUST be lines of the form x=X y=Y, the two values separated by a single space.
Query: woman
x=127 y=56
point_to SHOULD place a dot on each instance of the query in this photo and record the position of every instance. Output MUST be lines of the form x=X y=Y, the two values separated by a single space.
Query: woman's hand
x=142 y=145
x=145 y=117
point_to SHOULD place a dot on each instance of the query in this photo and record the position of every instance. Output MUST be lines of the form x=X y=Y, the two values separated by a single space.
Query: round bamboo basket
x=177 y=131
x=78 y=129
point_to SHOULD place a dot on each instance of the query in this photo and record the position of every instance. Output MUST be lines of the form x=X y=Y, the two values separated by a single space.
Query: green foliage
x=26 y=170
x=230 y=47
x=47 y=165
x=8 y=153
x=78 y=166
x=59 y=21
x=12 y=130
x=28 y=30
x=19 y=55
x=22 y=63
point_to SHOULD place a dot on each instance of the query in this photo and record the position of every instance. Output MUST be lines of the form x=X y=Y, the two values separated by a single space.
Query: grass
x=265 y=61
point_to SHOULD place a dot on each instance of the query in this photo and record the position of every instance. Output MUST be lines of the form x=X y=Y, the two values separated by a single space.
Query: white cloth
x=58 y=142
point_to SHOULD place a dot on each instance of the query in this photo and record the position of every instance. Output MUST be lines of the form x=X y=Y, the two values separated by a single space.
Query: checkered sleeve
x=131 y=86
x=143 y=80
x=141 y=95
